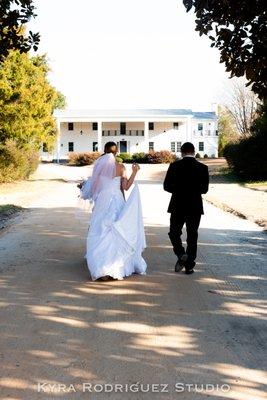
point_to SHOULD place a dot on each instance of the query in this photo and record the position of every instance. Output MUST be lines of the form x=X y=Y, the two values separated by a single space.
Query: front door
x=123 y=146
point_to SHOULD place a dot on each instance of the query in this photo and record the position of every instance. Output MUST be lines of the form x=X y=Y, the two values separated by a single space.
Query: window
x=94 y=126
x=123 y=128
x=71 y=146
x=95 y=146
x=175 y=125
x=200 y=127
x=201 y=146
x=151 y=146
x=216 y=133
x=176 y=147
x=151 y=126
x=70 y=126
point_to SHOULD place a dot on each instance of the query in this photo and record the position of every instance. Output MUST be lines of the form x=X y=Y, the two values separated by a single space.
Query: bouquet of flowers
x=85 y=189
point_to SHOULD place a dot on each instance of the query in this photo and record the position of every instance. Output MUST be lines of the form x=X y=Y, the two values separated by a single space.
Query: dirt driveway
x=201 y=336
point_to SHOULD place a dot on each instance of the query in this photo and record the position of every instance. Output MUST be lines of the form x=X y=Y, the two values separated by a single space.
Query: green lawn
x=226 y=175
x=257 y=185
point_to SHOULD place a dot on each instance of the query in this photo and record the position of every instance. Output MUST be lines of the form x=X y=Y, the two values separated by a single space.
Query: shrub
x=206 y=156
x=198 y=155
x=244 y=157
x=80 y=159
x=140 y=158
x=119 y=159
x=247 y=158
x=16 y=161
x=126 y=157
x=161 y=157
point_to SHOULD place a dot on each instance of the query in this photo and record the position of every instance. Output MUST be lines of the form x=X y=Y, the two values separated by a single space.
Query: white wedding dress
x=116 y=235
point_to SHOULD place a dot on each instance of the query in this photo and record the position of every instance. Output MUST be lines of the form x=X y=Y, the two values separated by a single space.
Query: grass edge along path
x=8 y=211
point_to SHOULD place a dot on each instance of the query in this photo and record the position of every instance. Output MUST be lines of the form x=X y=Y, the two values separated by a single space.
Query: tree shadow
x=60 y=327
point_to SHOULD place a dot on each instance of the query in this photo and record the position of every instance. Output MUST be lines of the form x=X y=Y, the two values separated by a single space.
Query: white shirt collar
x=189 y=155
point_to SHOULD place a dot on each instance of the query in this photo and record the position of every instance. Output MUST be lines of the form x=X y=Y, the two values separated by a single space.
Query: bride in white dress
x=116 y=235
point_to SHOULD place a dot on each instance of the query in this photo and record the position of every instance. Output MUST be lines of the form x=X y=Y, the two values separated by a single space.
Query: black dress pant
x=176 y=225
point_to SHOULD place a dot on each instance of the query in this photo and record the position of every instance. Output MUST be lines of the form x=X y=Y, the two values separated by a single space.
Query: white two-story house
x=135 y=131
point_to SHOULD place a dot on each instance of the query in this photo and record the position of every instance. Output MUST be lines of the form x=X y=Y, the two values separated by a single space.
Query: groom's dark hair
x=188 y=148
x=110 y=147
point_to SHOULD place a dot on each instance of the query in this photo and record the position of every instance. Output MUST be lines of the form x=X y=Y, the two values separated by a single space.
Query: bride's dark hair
x=110 y=147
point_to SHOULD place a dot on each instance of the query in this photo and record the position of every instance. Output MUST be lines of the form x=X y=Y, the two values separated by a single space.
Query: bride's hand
x=135 y=167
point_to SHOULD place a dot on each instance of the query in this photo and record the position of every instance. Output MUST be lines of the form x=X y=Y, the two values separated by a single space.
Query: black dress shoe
x=178 y=266
x=189 y=271
x=180 y=263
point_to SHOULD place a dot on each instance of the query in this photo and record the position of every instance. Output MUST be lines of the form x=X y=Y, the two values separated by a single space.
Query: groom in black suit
x=186 y=179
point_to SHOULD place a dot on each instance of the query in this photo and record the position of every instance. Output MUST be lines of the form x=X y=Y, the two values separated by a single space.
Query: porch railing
x=117 y=132
x=202 y=133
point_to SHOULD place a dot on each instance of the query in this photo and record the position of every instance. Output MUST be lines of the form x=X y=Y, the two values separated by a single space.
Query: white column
x=58 y=140
x=99 y=136
x=146 y=136
x=189 y=136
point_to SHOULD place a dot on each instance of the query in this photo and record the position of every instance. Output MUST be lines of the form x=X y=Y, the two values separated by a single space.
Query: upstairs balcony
x=118 y=132
x=205 y=133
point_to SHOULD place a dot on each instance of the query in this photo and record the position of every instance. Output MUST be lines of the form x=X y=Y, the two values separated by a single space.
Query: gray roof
x=205 y=115
x=132 y=113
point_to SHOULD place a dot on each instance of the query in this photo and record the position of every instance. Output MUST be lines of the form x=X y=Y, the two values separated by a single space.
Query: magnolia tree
x=14 y=14
x=239 y=30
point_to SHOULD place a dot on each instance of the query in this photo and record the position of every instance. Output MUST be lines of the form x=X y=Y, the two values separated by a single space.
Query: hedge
x=161 y=157
x=247 y=158
x=153 y=157
x=140 y=158
x=80 y=159
x=125 y=157
x=16 y=162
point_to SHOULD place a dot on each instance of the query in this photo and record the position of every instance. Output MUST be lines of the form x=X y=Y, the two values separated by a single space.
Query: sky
x=128 y=54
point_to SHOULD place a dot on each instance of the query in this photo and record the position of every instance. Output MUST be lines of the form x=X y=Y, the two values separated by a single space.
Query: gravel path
x=162 y=328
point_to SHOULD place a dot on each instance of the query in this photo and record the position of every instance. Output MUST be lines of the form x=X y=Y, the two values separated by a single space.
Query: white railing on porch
x=116 y=132
x=202 y=133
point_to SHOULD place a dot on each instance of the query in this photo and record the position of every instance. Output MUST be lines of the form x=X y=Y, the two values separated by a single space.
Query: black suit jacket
x=186 y=179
